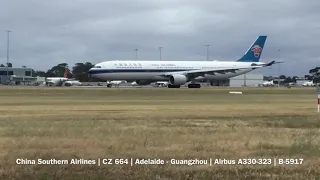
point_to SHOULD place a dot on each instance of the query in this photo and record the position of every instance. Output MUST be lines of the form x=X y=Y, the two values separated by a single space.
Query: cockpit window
x=97 y=66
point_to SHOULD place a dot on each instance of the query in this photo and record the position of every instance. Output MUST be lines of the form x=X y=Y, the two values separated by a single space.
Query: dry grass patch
x=158 y=123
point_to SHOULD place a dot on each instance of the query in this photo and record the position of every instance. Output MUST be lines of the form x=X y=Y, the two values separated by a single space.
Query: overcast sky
x=48 y=32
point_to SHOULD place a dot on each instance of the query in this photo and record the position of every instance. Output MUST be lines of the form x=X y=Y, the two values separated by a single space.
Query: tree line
x=9 y=65
x=314 y=75
x=80 y=72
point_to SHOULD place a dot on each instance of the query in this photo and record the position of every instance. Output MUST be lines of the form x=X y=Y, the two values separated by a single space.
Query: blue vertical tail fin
x=254 y=52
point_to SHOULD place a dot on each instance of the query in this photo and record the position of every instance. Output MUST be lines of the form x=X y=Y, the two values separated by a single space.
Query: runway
x=135 y=87
x=66 y=87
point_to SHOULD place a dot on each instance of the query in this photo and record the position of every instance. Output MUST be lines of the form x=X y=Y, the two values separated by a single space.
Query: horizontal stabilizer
x=272 y=63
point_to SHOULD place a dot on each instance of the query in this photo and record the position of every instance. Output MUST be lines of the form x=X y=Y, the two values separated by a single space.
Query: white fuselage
x=54 y=81
x=73 y=83
x=268 y=83
x=134 y=84
x=114 y=82
x=152 y=70
x=161 y=83
x=57 y=81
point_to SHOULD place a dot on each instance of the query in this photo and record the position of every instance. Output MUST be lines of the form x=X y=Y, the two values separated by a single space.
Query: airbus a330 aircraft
x=180 y=72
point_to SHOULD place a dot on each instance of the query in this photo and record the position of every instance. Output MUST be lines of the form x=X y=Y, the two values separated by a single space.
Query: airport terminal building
x=16 y=75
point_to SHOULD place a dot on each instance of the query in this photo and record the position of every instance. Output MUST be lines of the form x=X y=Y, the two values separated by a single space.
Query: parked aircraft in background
x=113 y=83
x=161 y=84
x=292 y=84
x=72 y=83
x=134 y=84
x=59 y=81
x=268 y=83
x=180 y=72
x=309 y=83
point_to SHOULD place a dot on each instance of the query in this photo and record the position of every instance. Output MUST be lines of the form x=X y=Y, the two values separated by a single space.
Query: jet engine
x=143 y=82
x=177 y=79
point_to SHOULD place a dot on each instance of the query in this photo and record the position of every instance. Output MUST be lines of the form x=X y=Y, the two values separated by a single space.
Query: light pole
x=160 y=48
x=279 y=70
x=136 y=53
x=207 y=57
x=207 y=52
x=8 y=32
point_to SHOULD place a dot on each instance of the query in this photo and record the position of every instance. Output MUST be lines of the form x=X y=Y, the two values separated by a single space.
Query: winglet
x=254 y=52
x=272 y=63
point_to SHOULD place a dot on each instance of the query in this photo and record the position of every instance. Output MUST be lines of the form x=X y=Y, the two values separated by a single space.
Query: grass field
x=66 y=123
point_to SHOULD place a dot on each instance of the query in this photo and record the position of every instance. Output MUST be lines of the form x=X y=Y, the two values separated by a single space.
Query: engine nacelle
x=143 y=82
x=177 y=79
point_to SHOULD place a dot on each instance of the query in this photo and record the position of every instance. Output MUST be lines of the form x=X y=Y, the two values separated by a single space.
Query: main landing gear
x=189 y=86
x=194 y=85
x=173 y=86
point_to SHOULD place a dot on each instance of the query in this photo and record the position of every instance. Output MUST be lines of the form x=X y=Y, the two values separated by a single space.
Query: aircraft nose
x=90 y=72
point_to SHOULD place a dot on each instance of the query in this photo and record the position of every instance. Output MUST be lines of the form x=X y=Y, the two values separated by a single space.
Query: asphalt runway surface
x=113 y=87
x=51 y=87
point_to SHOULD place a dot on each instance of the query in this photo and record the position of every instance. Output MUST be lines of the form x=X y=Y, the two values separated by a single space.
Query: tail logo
x=67 y=73
x=257 y=50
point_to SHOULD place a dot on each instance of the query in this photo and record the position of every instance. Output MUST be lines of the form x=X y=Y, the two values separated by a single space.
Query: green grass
x=66 y=123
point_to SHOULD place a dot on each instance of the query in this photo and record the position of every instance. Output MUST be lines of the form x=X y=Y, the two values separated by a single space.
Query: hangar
x=241 y=80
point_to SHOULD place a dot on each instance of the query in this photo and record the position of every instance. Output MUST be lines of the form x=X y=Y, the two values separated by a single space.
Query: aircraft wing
x=202 y=72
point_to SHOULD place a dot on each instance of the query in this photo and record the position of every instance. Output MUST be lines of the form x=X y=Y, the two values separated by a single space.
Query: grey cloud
x=45 y=32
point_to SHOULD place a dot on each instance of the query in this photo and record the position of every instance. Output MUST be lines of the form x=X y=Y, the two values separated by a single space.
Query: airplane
x=309 y=83
x=291 y=84
x=72 y=83
x=161 y=83
x=268 y=83
x=134 y=84
x=114 y=83
x=178 y=73
x=59 y=81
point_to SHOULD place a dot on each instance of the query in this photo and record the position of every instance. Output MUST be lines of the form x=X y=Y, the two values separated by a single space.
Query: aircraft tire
x=109 y=85
x=173 y=86
x=194 y=85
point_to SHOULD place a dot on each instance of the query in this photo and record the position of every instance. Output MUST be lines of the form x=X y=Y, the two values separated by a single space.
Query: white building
x=16 y=75
x=246 y=80
x=239 y=81
x=300 y=81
